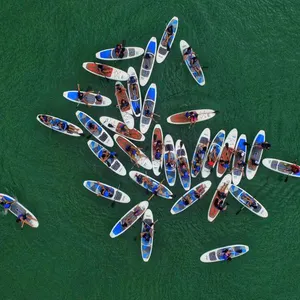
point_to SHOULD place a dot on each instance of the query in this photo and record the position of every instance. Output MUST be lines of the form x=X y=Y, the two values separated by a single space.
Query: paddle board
x=148 y=61
x=201 y=189
x=170 y=154
x=223 y=186
x=130 y=219
x=150 y=184
x=139 y=158
x=16 y=208
x=180 y=118
x=218 y=254
x=242 y=196
x=166 y=41
x=255 y=154
x=116 y=195
x=146 y=246
x=213 y=153
x=157 y=137
x=148 y=108
x=199 y=153
x=134 y=92
x=198 y=76
x=125 y=110
x=97 y=131
x=226 y=153
x=88 y=97
x=280 y=166
x=109 y=72
x=112 y=163
x=110 y=54
x=184 y=174
x=240 y=155
x=118 y=127
x=52 y=123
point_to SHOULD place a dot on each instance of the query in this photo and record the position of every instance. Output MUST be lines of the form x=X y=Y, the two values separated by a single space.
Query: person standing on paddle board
x=194 y=62
x=25 y=219
x=107 y=192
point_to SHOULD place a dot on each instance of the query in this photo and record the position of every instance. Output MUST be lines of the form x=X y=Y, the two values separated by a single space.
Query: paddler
x=105 y=191
x=250 y=202
x=194 y=62
x=123 y=129
x=183 y=168
x=169 y=34
x=146 y=236
x=294 y=169
x=192 y=116
x=170 y=161
x=6 y=203
x=118 y=49
x=227 y=254
x=25 y=219
x=127 y=221
x=158 y=148
x=264 y=145
x=45 y=119
x=187 y=200
x=199 y=156
x=188 y=51
x=82 y=96
x=212 y=157
x=219 y=201
x=103 y=69
x=98 y=98
x=64 y=126
x=133 y=87
x=93 y=128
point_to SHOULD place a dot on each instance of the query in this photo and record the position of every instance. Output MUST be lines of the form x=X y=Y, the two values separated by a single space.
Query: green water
x=252 y=51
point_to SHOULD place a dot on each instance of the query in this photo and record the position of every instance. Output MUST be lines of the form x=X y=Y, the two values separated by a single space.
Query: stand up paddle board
x=239 y=158
x=147 y=245
x=129 y=52
x=157 y=149
x=87 y=98
x=134 y=92
x=281 y=166
x=181 y=118
x=183 y=166
x=170 y=160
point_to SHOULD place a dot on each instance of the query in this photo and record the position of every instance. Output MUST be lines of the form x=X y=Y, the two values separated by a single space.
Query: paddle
x=136 y=237
x=287 y=176
x=253 y=197
x=113 y=201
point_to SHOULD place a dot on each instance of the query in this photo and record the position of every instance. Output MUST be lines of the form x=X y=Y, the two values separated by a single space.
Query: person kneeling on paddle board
x=107 y=192
x=6 y=204
x=24 y=219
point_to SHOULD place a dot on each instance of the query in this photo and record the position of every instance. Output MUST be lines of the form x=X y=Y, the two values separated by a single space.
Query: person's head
x=103 y=155
x=229 y=258
x=204 y=148
x=128 y=148
x=242 y=154
x=227 y=145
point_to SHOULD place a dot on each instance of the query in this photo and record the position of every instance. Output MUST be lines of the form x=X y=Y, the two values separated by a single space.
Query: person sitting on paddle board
x=212 y=157
x=169 y=34
x=123 y=129
x=133 y=87
x=106 y=157
x=98 y=98
x=183 y=168
x=194 y=63
x=227 y=254
x=25 y=219
x=293 y=168
x=192 y=116
x=170 y=161
x=133 y=152
x=146 y=236
x=198 y=192
x=139 y=178
x=64 y=126
x=264 y=145
x=253 y=162
x=199 y=156
x=188 y=51
x=118 y=49
x=102 y=69
x=250 y=202
x=219 y=202
x=105 y=191
x=93 y=128
x=82 y=96
x=158 y=148
x=147 y=59
x=6 y=203
x=45 y=119
x=131 y=217
x=124 y=104
x=187 y=199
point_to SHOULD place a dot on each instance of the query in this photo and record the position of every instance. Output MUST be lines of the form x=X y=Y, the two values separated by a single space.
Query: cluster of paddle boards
x=225 y=153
